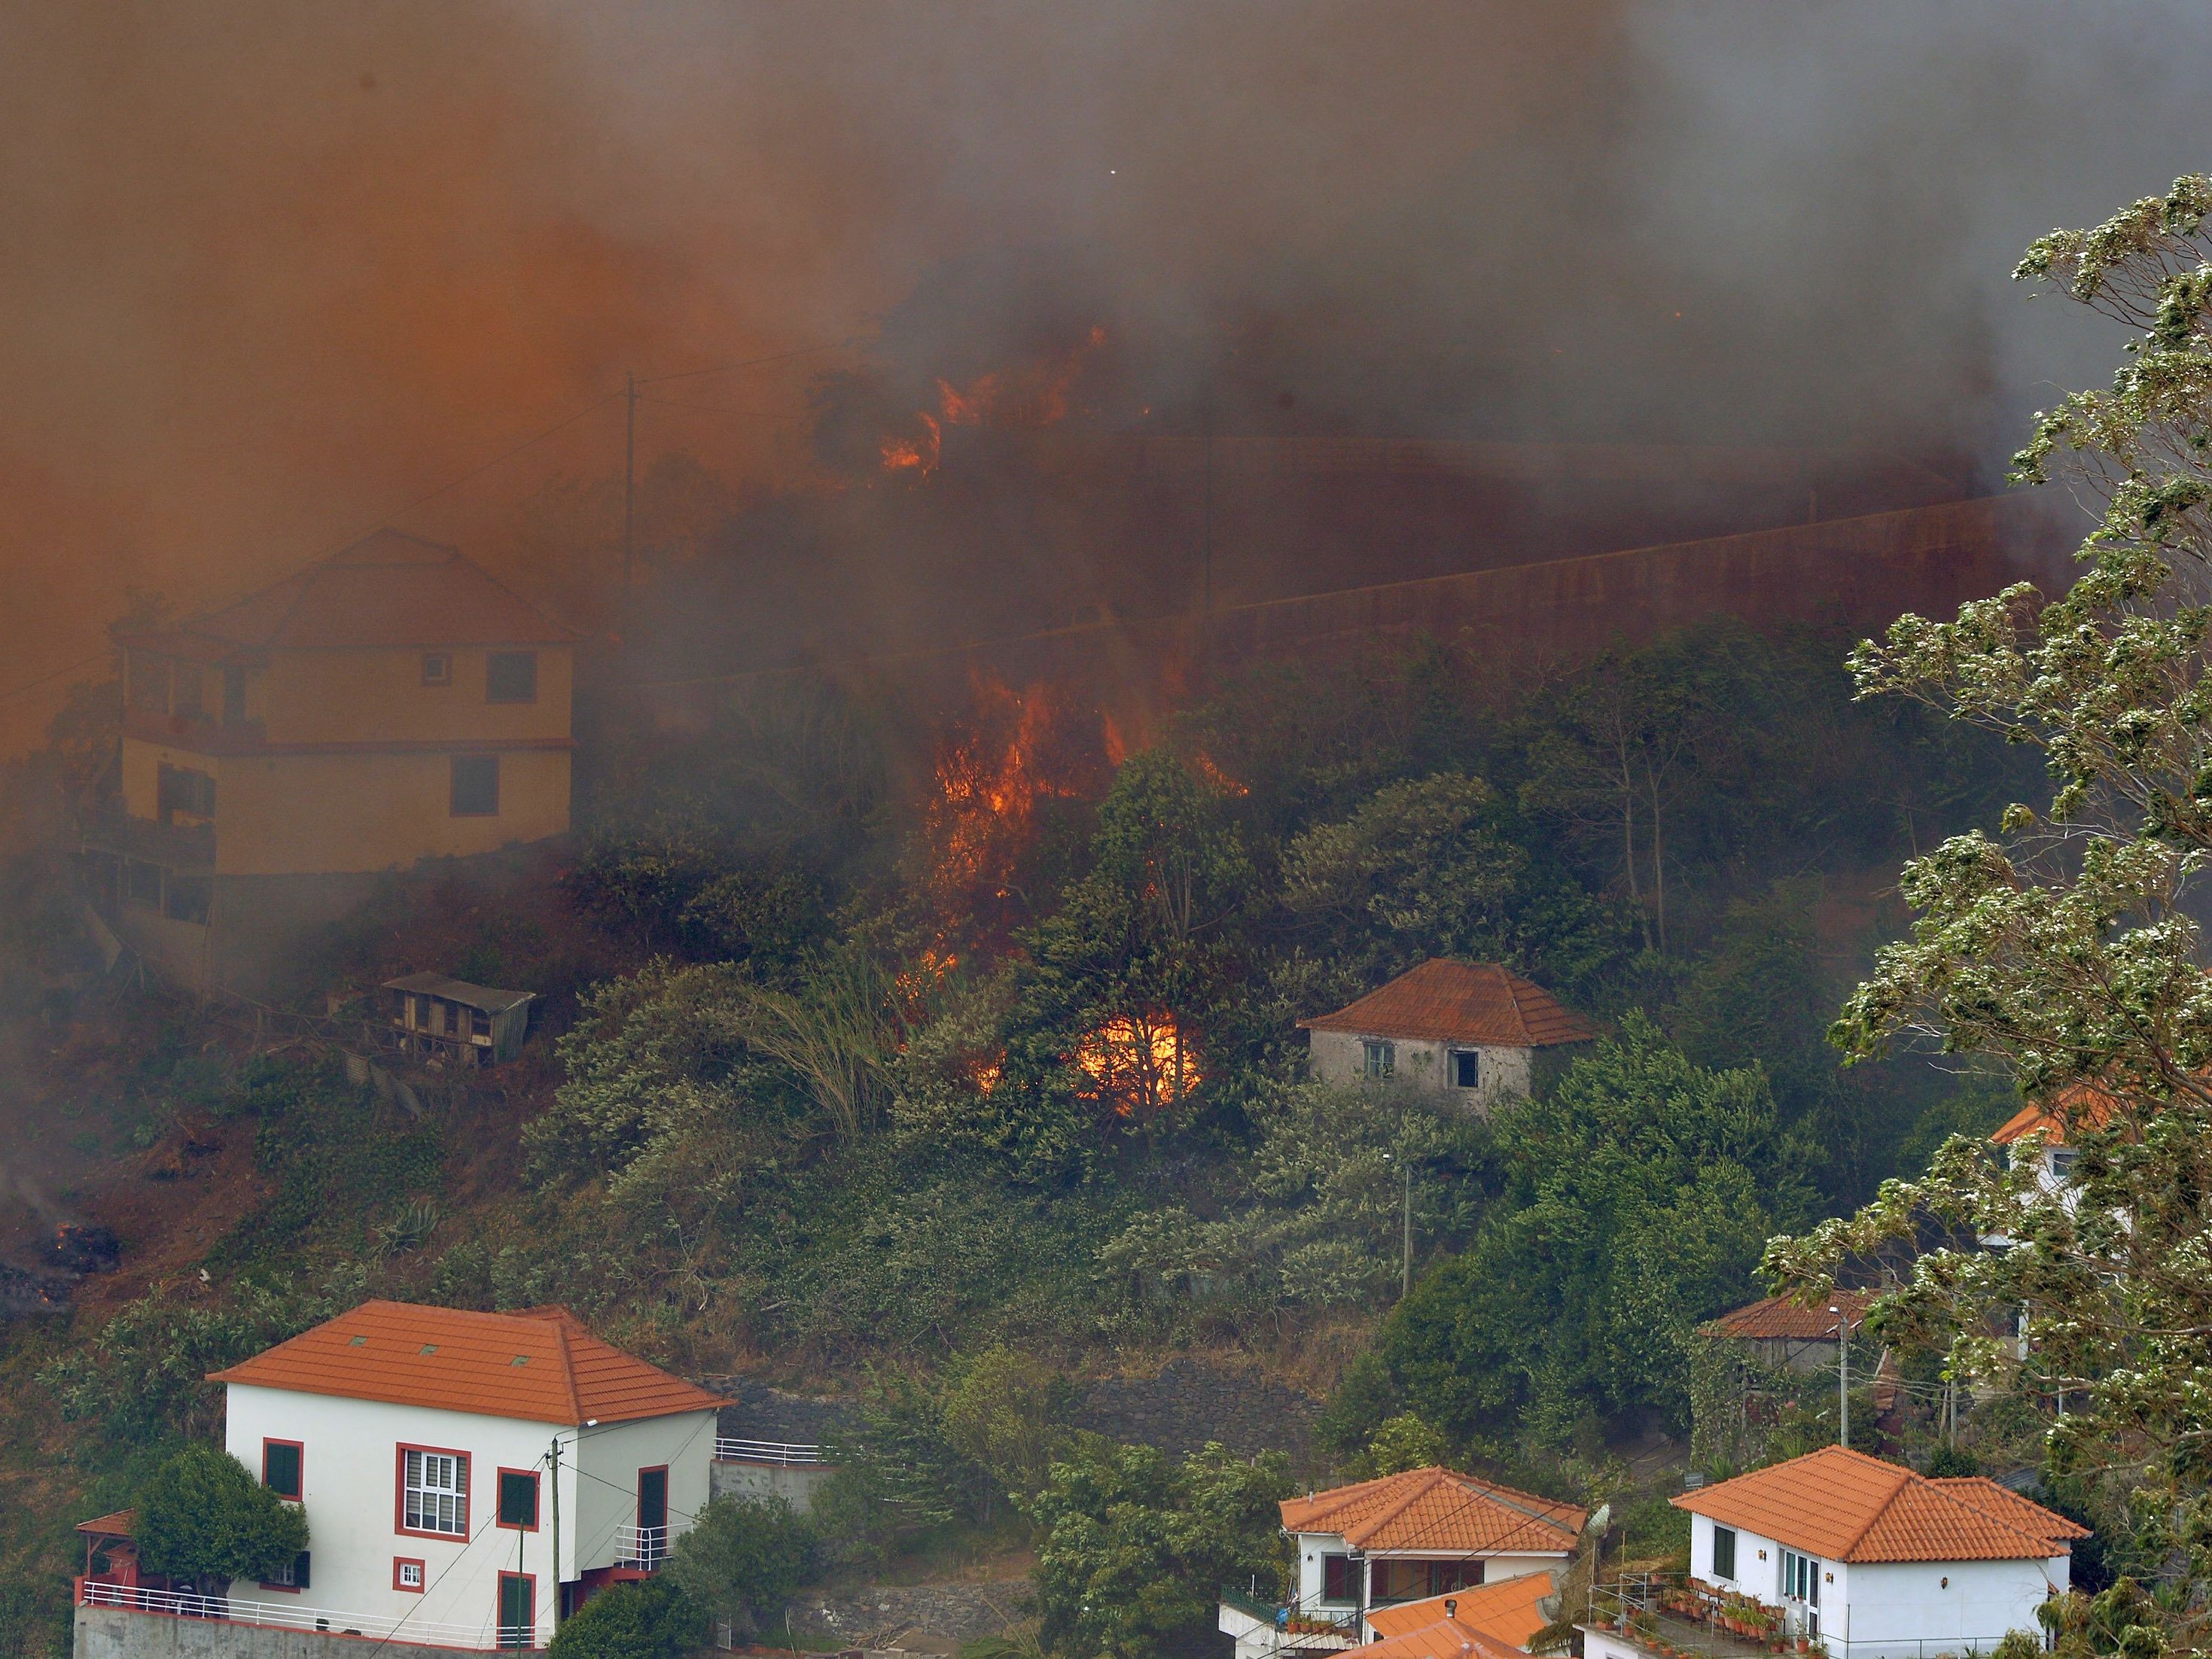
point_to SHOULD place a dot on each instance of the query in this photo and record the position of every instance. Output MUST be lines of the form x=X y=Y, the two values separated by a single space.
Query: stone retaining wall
x=125 y=1633
x=877 y=1616
x=1190 y=1403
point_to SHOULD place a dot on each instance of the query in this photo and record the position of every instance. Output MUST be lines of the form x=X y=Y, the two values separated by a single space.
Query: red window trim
x=282 y=1589
x=399 y=1494
x=417 y=1562
x=539 y=1506
x=498 y=1594
x=267 y=1441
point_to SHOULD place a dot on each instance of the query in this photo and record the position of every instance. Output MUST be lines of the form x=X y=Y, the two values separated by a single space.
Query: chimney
x=1451 y=1608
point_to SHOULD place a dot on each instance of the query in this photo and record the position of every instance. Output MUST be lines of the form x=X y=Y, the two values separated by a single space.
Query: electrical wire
x=750 y=362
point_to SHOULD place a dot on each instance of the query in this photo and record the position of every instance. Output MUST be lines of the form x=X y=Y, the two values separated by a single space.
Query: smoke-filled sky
x=269 y=272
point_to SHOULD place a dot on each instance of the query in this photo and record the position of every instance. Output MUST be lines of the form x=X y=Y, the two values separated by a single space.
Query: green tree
x=997 y=1412
x=1639 y=1194
x=1430 y=868
x=2066 y=945
x=741 y=1561
x=1136 y=1546
x=202 y=1515
x=654 y=1620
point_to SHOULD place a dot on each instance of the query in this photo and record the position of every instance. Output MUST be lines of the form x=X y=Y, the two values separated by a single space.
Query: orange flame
x=1139 y=1064
x=988 y=784
x=1220 y=781
x=1036 y=395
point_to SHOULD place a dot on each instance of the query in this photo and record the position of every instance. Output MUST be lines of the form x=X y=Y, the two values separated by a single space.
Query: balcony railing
x=1293 y=1618
x=648 y=1548
x=290 y=1615
x=1668 y=1613
x=784 y=1453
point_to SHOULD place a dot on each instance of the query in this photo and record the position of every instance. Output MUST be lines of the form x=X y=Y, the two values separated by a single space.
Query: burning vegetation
x=1034 y=394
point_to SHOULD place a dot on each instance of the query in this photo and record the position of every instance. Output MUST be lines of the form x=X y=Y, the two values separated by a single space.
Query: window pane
x=1724 y=1552
x=517 y=1499
x=475 y=786
x=511 y=676
x=1468 y=1069
x=279 y=1468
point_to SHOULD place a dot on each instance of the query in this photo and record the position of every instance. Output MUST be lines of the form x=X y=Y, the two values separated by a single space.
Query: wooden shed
x=436 y=1018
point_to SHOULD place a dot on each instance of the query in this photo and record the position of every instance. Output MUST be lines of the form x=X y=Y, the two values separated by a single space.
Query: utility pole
x=629 y=473
x=1842 y=1377
x=1205 y=600
x=553 y=1479
x=1406 y=1276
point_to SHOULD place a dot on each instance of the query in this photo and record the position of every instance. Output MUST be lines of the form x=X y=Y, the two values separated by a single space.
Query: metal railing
x=787 y=1454
x=1293 y=1618
x=288 y=1615
x=1647 y=1611
x=648 y=1548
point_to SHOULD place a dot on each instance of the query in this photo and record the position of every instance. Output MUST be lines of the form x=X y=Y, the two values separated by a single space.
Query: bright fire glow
x=1139 y=1064
x=1034 y=395
x=988 y=783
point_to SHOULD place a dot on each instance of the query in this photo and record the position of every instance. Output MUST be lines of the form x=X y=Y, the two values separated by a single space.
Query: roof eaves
x=568 y=1370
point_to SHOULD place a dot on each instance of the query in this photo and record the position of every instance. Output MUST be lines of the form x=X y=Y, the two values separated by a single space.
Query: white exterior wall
x=1341 y=1057
x=349 y=1474
x=1893 y=1610
x=1312 y=1546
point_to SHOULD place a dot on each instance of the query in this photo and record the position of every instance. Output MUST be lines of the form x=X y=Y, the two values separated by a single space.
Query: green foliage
x=741 y=1561
x=904 y=1453
x=203 y=1515
x=2066 y=947
x=141 y=1377
x=1135 y=1546
x=1403 y=1442
x=998 y=1411
x=654 y=1620
x=1640 y=1194
x=1431 y=867
x=1323 y=1225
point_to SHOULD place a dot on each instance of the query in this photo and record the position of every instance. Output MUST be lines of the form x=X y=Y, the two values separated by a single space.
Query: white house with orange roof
x=1468 y=1031
x=1402 y=1538
x=1874 y=1561
x=469 y=1478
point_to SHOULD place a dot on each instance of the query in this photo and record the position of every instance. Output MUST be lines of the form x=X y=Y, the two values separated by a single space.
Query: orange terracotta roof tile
x=1506 y=1610
x=1445 y=1639
x=2081 y=1104
x=1447 y=1001
x=116 y=1525
x=542 y=1365
x=390 y=590
x=1786 y=1319
x=1846 y=1506
x=1437 y=1509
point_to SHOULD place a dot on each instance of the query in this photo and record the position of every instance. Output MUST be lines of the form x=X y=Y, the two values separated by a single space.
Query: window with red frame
x=282 y=1468
x=434 y=1492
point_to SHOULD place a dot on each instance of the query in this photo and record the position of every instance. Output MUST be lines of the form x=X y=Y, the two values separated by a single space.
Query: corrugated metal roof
x=542 y=1365
x=1439 y=1510
x=389 y=589
x=489 y=998
x=1447 y=1001
x=1846 y=1506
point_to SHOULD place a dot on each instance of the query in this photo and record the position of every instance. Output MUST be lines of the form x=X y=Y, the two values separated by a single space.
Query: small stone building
x=1471 y=1032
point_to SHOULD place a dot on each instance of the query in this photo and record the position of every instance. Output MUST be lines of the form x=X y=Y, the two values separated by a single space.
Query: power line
x=719 y=409
x=750 y=362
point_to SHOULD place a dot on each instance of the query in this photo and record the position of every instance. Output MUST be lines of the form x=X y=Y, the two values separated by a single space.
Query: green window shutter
x=517 y=1499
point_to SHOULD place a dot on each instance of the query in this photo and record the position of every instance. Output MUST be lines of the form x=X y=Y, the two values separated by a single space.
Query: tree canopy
x=203 y=1515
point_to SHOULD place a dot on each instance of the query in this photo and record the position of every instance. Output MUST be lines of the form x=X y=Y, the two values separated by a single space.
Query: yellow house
x=392 y=703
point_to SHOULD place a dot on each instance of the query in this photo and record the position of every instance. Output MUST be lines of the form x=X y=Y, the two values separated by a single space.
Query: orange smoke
x=1139 y=1065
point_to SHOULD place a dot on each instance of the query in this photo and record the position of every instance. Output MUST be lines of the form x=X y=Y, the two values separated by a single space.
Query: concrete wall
x=119 y=1633
x=1341 y=1057
x=794 y=1483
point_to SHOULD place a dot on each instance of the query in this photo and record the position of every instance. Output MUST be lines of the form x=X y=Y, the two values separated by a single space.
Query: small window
x=2062 y=1161
x=234 y=696
x=280 y=1467
x=182 y=789
x=1800 y=1578
x=1337 y=1583
x=188 y=698
x=292 y=1575
x=475 y=786
x=437 y=668
x=517 y=1499
x=511 y=676
x=406 y=1573
x=1723 y=1553
x=1466 y=1068
x=142 y=883
x=1379 y=1059
x=188 y=898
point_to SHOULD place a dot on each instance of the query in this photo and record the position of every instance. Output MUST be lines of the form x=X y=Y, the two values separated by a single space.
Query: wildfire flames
x=1139 y=1064
x=1035 y=396
x=989 y=780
